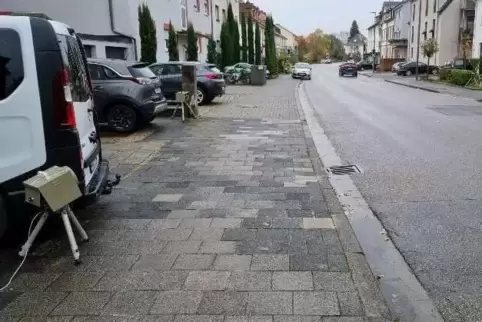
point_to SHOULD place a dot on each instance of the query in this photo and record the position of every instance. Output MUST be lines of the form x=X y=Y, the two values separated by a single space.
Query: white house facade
x=477 y=40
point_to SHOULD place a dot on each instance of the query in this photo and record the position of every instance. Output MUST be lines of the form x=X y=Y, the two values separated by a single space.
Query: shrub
x=475 y=64
x=460 y=77
x=445 y=74
x=284 y=64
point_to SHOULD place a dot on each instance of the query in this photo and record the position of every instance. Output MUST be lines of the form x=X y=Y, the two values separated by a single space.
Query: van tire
x=122 y=118
x=3 y=217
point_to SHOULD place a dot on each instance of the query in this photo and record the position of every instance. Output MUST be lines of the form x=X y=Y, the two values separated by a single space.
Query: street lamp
x=418 y=37
x=374 y=41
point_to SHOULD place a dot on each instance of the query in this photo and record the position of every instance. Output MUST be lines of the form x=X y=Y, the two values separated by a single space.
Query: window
x=413 y=12
x=426 y=7
x=412 y=34
x=216 y=12
x=141 y=70
x=109 y=73
x=171 y=69
x=115 y=52
x=434 y=6
x=206 y=7
x=166 y=44
x=425 y=31
x=433 y=28
x=11 y=63
x=411 y=52
x=77 y=71
x=224 y=15
x=96 y=72
x=88 y=49
x=184 y=14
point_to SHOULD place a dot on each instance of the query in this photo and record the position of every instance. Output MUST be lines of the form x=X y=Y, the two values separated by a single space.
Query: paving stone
x=272 y=213
x=142 y=280
x=250 y=223
x=167 y=198
x=270 y=263
x=232 y=262
x=223 y=302
x=315 y=303
x=260 y=318
x=266 y=303
x=203 y=204
x=333 y=281
x=66 y=318
x=33 y=304
x=156 y=318
x=305 y=262
x=187 y=246
x=346 y=319
x=337 y=263
x=76 y=281
x=155 y=262
x=82 y=303
x=129 y=303
x=226 y=223
x=207 y=234
x=292 y=281
x=296 y=213
x=350 y=303
x=318 y=223
x=195 y=223
x=238 y=234
x=199 y=318
x=174 y=234
x=218 y=247
x=193 y=262
x=250 y=281
x=157 y=224
x=176 y=302
x=296 y=318
x=287 y=223
x=182 y=214
x=31 y=282
x=95 y=263
x=207 y=280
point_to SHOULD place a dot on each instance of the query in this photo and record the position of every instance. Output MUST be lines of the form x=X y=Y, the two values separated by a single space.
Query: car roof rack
x=25 y=13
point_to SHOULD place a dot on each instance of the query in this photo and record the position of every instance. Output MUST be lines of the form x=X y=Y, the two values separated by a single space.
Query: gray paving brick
x=270 y=263
x=318 y=223
x=142 y=280
x=304 y=262
x=32 y=281
x=207 y=234
x=199 y=318
x=333 y=281
x=218 y=247
x=292 y=281
x=174 y=234
x=193 y=262
x=176 y=302
x=346 y=319
x=287 y=223
x=296 y=318
x=238 y=234
x=156 y=318
x=223 y=302
x=315 y=303
x=207 y=280
x=196 y=223
x=232 y=262
x=155 y=262
x=94 y=263
x=129 y=303
x=66 y=318
x=76 y=281
x=33 y=304
x=350 y=303
x=157 y=224
x=266 y=303
x=226 y=223
x=187 y=247
x=182 y=214
x=167 y=198
x=261 y=318
x=82 y=303
x=250 y=281
x=338 y=263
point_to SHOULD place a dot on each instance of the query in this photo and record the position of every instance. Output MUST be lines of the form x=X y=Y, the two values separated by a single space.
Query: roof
x=357 y=39
x=444 y=6
x=390 y=4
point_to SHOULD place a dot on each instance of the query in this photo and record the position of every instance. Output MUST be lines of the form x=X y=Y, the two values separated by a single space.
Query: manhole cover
x=344 y=169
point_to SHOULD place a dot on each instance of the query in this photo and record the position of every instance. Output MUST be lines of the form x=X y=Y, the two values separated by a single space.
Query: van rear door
x=82 y=98
x=22 y=142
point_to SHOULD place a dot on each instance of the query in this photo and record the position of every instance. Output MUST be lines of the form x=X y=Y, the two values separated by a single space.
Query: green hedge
x=459 y=77
x=445 y=74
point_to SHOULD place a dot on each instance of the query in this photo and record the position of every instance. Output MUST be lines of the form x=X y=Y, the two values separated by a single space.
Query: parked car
x=410 y=69
x=47 y=113
x=301 y=70
x=459 y=63
x=362 y=65
x=237 y=68
x=127 y=94
x=396 y=66
x=210 y=80
x=348 y=69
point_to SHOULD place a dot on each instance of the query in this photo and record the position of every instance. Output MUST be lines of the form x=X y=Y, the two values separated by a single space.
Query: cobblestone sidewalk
x=220 y=219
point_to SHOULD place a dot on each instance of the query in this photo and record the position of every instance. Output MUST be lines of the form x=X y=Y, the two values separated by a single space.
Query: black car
x=410 y=69
x=127 y=94
x=210 y=80
x=348 y=69
x=363 y=65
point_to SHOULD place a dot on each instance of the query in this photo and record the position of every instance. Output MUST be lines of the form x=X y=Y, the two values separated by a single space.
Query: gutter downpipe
x=112 y=26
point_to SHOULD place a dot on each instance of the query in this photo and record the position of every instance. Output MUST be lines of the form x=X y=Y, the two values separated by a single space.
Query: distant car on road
x=396 y=66
x=363 y=65
x=410 y=69
x=348 y=69
x=301 y=70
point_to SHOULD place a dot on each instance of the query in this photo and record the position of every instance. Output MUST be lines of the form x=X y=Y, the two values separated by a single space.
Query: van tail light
x=141 y=80
x=213 y=76
x=63 y=104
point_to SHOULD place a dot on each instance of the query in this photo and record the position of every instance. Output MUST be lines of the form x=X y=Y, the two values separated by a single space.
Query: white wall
x=448 y=33
x=477 y=30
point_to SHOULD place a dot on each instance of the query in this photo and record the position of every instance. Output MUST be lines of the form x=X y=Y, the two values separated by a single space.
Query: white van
x=47 y=115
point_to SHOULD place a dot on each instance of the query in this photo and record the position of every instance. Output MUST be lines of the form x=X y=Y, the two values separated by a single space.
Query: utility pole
x=418 y=37
x=374 y=41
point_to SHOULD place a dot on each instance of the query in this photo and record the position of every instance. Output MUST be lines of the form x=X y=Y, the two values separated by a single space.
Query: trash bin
x=258 y=75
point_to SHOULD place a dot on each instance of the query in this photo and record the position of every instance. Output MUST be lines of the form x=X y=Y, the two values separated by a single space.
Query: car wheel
x=200 y=96
x=122 y=118
x=407 y=73
x=3 y=217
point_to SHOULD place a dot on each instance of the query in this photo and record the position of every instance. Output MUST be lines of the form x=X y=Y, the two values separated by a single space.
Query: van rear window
x=141 y=70
x=11 y=63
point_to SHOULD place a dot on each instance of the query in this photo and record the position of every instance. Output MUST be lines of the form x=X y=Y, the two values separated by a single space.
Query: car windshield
x=302 y=65
x=141 y=70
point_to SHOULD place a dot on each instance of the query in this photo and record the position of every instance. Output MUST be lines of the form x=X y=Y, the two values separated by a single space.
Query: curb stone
x=367 y=285
x=413 y=86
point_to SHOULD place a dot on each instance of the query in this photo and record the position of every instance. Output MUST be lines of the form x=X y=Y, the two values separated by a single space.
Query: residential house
x=445 y=20
x=289 y=43
x=109 y=28
x=356 y=46
x=387 y=28
x=374 y=33
x=220 y=14
x=257 y=15
x=399 y=39
x=279 y=39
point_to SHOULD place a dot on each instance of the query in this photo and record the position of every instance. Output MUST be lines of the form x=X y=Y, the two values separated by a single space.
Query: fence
x=386 y=63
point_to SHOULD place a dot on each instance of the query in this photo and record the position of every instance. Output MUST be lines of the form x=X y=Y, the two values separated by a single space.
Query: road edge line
x=413 y=86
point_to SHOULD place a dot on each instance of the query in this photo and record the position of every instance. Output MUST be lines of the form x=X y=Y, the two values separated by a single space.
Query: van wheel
x=3 y=217
x=122 y=118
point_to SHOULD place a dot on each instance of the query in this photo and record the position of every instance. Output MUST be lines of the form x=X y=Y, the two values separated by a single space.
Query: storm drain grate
x=344 y=169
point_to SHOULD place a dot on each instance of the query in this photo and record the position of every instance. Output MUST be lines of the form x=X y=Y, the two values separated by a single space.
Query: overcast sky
x=332 y=16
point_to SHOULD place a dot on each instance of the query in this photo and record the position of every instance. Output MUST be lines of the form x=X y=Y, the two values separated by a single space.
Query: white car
x=301 y=70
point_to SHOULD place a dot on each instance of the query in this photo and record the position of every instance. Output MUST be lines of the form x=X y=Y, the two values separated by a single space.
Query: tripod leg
x=33 y=235
x=77 y=225
x=70 y=235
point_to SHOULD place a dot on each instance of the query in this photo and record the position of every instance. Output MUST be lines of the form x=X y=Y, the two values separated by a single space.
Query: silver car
x=301 y=70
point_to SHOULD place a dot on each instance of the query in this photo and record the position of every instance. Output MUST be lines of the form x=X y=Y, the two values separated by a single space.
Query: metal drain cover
x=344 y=169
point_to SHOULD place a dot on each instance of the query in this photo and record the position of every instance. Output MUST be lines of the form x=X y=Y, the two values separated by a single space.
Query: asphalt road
x=421 y=154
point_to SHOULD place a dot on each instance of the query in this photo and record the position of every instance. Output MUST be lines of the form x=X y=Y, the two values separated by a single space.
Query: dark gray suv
x=127 y=94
